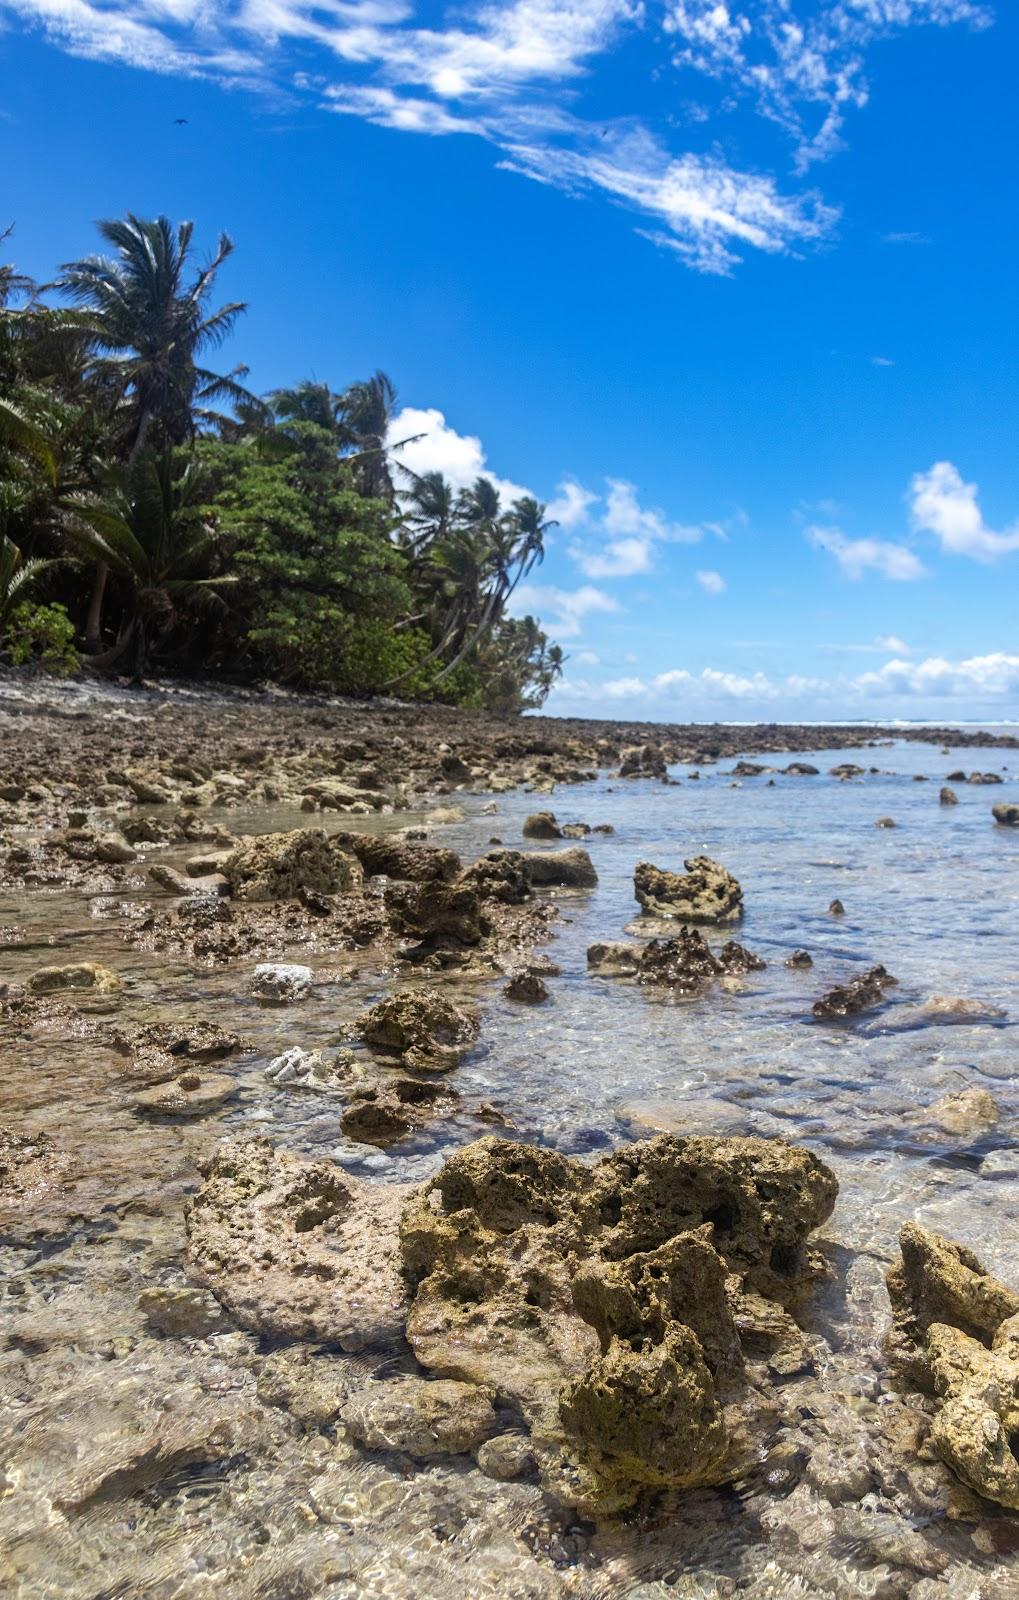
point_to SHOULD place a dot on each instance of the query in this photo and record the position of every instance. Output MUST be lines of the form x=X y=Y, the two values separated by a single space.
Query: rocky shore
x=300 y=1304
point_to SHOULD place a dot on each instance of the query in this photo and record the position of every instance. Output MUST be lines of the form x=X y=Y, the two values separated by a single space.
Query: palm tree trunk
x=93 y=624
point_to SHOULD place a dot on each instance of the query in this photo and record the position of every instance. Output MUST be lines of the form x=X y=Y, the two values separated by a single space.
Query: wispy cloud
x=509 y=74
x=711 y=582
x=563 y=610
x=421 y=440
x=621 y=538
x=857 y=557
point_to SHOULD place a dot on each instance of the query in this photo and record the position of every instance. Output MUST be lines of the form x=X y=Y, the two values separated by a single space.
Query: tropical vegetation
x=156 y=516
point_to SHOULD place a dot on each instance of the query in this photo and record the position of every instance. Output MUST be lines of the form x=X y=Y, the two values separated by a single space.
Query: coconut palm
x=151 y=322
x=147 y=525
x=15 y=573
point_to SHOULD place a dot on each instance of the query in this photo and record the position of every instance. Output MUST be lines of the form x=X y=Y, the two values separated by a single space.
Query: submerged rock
x=845 y=769
x=799 y=958
x=298 y=1249
x=800 y=769
x=424 y=1417
x=985 y=777
x=595 y=1300
x=836 y=909
x=955 y=1333
x=1006 y=816
x=423 y=1028
x=385 y=1111
x=78 y=975
x=965 y=1111
x=862 y=993
x=572 y=869
x=948 y=797
x=707 y=893
x=190 y=1095
x=278 y=866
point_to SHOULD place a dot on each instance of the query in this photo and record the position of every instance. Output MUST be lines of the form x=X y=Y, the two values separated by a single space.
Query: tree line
x=155 y=515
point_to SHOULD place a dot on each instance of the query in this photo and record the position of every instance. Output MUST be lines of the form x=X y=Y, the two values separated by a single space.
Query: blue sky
x=732 y=288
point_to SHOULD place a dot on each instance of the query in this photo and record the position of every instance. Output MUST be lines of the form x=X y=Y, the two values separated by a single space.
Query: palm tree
x=515 y=547
x=314 y=403
x=149 y=529
x=151 y=322
x=369 y=407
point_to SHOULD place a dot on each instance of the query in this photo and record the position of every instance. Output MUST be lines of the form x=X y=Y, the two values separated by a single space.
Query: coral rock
x=707 y=893
x=278 y=866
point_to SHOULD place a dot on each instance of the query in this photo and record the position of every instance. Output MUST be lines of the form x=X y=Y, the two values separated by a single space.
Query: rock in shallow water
x=280 y=982
x=707 y=893
x=78 y=975
x=568 y=869
x=424 y=1417
x=862 y=993
x=278 y=866
x=422 y=1028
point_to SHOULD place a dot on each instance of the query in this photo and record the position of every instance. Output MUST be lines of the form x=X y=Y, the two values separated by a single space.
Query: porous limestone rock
x=422 y=1028
x=436 y=911
x=595 y=1300
x=955 y=1333
x=571 y=869
x=707 y=892
x=424 y=1417
x=278 y=866
x=684 y=963
x=383 y=1111
x=190 y=1095
x=298 y=1249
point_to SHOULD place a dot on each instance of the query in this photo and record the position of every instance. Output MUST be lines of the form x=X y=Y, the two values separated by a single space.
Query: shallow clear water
x=935 y=899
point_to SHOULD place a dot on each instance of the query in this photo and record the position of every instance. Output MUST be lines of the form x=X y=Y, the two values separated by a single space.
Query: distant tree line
x=157 y=516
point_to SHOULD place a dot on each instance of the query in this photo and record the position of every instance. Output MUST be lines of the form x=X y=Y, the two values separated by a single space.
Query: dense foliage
x=156 y=515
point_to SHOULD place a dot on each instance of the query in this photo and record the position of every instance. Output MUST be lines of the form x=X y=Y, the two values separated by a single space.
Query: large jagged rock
x=706 y=893
x=387 y=855
x=955 y=1333
x=596 y=1301
x=571 y=869
x=280 y=866
x=421 y=1028
x=297 y=1249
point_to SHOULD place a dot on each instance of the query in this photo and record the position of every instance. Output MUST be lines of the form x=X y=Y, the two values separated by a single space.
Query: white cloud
x=859 y=556
x=570 y=504
x=881 y=361
x=433 y=446
x=711 y=582
x=986 y=681
x=561 y=610
x=629 y=532
x=587 y=658
x=892 y=642
x=944 y=505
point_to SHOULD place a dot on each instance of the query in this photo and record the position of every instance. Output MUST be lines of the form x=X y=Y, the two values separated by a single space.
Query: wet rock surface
x=865 y=992
x=421 y=1028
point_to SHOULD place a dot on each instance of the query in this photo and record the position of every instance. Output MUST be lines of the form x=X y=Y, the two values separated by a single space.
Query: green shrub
x=44 y=634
